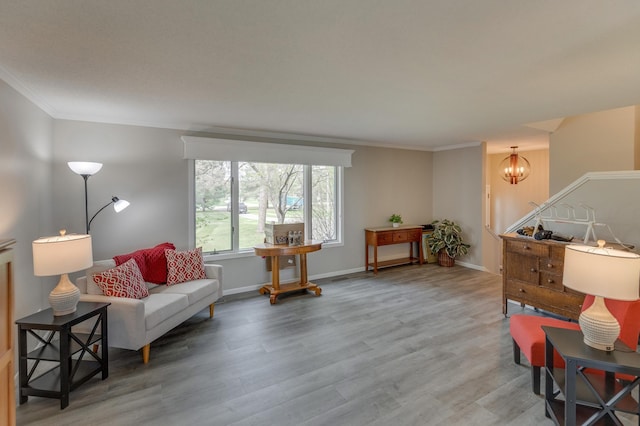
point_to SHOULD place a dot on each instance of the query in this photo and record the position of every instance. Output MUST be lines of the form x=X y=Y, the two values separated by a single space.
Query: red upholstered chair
x=528 y=337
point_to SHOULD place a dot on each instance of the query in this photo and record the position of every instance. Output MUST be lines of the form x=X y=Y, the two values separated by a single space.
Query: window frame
x=236 y=252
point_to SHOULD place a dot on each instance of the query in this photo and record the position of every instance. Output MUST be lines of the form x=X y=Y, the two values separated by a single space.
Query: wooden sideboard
x=532 y=275
x=7 y=385
x=388 y=235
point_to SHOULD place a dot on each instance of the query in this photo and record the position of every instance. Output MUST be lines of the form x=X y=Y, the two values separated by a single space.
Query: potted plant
x=446 y=241
x=395 y=219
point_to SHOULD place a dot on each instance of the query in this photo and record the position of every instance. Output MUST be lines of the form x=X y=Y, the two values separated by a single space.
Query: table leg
x=570 y=393
x=366 y=256
x=375 y=259
x=303 y=269
x=65 y=368
x=105 y=344
x=411 y=252
x=275 y=272
x=548 y=381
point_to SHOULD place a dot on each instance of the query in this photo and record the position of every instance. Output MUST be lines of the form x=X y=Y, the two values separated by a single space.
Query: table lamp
x=603 y=273
x=61 y=255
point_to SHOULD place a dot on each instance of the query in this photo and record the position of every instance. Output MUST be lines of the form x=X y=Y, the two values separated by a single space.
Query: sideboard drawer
x=400 y=237
x=384 y=238
x=528 y=248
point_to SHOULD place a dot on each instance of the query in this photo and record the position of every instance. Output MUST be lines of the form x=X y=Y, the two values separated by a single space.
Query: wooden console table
x=275 y=251
x=388 y=235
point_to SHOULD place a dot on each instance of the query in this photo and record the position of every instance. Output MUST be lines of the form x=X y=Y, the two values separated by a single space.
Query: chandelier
x=514 y=168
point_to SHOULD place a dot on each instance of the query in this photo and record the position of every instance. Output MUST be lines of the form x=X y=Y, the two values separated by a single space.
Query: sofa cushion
x=151 y=261
x=194 y=290
x=122 y=281
x=159 y=307
x=98 y=266
x=184 y=266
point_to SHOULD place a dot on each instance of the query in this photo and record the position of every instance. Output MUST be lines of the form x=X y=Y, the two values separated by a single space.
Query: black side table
x=76 y=362
x=589 y=397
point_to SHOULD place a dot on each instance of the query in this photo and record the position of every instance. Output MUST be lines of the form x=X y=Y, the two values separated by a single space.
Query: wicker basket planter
x=444 y=259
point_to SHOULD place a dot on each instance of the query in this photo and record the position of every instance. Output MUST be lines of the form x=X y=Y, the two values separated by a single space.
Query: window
x=265 y=193
x=238 y=186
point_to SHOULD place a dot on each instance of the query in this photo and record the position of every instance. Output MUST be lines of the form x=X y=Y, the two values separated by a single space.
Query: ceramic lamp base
x=599 y=326
x=64 y=297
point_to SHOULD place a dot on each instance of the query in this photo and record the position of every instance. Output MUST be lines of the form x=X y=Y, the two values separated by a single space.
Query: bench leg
x=535 y=379
x=145 y=353
x=516 y=353
x=211 y=310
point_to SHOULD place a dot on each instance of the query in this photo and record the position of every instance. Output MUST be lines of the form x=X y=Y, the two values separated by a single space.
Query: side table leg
x=303 y=269
x=275 y=272
x=65 y=368
x=375 y=260
x=366 y=256
x=105 y=344
x=570 y=393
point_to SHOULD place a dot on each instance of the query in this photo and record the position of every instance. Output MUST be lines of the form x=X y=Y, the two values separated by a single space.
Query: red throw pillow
x=151 y=261
x=122 y=281
x=184 y=266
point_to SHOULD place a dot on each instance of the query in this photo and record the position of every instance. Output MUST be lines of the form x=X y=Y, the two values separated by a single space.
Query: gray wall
x=25 y=191
x=596 y=142
x=458 y=194
x=145 y=167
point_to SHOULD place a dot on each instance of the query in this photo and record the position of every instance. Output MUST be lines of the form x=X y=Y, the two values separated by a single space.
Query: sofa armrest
x=214 y=271
x=126 y=320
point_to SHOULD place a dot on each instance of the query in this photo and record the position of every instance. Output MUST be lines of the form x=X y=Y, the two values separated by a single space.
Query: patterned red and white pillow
x=184 y=266
x=122 y=281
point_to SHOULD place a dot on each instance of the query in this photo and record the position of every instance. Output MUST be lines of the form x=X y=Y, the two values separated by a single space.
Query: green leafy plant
x=447 y=235
x=395 y=218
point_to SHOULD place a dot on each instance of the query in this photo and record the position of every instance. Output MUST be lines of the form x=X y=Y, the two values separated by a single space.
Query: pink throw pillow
x=184 y=266
x=122 y=281
x=151 y=261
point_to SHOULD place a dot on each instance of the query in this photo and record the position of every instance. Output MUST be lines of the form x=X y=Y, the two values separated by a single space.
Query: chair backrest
x=628 y=316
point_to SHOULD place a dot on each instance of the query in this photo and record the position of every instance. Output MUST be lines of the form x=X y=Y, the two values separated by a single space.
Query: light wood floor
x=414 y=345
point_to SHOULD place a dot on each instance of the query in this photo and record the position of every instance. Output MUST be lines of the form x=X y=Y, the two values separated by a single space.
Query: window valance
x=202 y=148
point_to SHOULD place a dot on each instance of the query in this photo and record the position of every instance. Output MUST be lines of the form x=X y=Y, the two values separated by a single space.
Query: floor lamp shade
x=61 y=255
x=603 y=273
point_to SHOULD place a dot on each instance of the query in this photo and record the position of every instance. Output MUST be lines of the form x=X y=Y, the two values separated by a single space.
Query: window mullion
x=235 y=217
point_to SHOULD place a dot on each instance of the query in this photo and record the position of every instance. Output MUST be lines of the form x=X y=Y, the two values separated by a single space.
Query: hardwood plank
x=413 y=345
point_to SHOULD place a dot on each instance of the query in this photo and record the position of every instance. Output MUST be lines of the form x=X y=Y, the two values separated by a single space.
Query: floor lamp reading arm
x=113 y=200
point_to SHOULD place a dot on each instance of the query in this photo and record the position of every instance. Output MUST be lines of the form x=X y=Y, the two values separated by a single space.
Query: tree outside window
x=265 y=193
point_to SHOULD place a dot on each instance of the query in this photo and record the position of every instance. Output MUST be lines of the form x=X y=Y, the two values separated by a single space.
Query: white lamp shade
x=61 y=254
x=120 y=205
x=84 y=167
x=599 y=271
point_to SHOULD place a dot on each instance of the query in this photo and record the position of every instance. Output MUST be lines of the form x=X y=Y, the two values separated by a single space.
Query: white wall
x=145 y=166
x=601 y=141
x=25 y=191
x=510 y=202
x=458 y=194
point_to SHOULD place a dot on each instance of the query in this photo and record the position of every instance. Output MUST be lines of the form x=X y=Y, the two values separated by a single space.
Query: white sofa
x=135 y=323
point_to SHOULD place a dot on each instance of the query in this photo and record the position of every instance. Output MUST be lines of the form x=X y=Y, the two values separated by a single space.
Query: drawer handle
x=521 y=290
x=526 y=247
x=533 y=270
x=549 y=265
x=550 y=281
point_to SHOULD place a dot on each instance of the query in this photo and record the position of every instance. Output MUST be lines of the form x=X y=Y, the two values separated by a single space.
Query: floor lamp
x=87 y=169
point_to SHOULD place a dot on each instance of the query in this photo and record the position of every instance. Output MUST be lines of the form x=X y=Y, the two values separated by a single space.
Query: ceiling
x=427 y=74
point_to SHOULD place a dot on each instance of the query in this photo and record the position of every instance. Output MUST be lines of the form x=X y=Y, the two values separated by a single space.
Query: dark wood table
x=75 y=361
x=275 y=288
x=588 y=396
